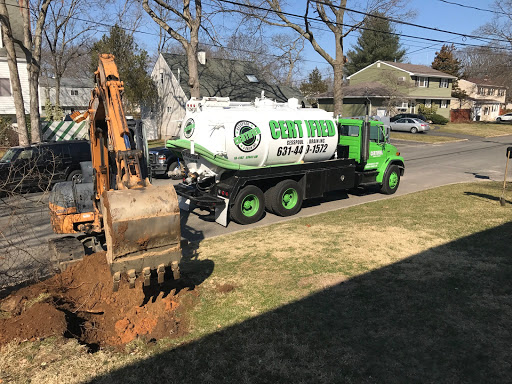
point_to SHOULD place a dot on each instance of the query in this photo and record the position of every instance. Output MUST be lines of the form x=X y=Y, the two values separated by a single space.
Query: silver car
x=408 y=124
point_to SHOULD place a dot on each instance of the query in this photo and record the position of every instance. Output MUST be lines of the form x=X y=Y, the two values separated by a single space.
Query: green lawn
x=477 y=129
x=422 y=137
x=415 y=288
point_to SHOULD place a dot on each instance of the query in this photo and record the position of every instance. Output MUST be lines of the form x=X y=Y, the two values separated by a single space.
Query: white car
x=505 y=117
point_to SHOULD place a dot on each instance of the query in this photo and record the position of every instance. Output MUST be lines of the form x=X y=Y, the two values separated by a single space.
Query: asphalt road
x=25 y=222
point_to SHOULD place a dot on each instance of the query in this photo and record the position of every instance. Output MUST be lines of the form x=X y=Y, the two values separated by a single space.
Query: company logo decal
x=247 y=136
x=189 y=128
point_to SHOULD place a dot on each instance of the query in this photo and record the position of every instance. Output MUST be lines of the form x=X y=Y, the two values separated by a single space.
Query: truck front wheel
x=249 y=205
x=287 y=198
x=391 y=180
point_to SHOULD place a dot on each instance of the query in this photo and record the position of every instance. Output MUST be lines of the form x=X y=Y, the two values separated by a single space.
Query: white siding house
x=75 y=94
x=6 y=96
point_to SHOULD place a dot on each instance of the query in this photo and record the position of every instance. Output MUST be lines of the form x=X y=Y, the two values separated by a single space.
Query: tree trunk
x=35 y=118
x=338 y=74
x=193 y=73
x=14 y=74
x=57 y=90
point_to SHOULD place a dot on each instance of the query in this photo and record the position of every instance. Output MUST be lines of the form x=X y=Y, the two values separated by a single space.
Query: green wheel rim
x=250 y=205
x=393 y=180
x=290 y=198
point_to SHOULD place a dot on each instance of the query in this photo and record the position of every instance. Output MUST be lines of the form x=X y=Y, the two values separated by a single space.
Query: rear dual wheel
x=249 y=205
x=286 y=198
x=283 y=199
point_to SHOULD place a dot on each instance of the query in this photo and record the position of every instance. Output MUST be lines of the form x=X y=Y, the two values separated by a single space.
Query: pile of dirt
x=79 y=303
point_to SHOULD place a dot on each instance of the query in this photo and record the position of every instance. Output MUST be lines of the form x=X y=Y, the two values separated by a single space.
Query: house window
x=161 y=77
x=169 y=109
x=490 y=91
x=443 y=104
x=501 y=92
x=486 y=110
x=428 y=103
x=443 y=83
x=74 y=92
x=405 y=104
x=481 y=91
x=5 y=87
x=252 y=78
x=422 y=82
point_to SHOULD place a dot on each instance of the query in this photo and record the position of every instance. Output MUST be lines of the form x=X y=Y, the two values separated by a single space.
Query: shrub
x=437 y=119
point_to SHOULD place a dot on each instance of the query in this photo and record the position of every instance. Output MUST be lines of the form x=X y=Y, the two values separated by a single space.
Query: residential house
x=75 y=94
x=485 y=98
x=391 y=88
x=6 y=97
x=239 y=80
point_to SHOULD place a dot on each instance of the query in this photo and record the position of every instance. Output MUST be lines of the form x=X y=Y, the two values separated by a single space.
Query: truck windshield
x=10 y=155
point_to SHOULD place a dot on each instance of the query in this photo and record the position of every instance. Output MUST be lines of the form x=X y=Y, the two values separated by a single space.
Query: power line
x=472 y=7
x=364 y=28
x=408 y=23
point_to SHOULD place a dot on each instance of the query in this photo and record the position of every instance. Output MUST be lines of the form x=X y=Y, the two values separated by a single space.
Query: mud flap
x=142 y=228
x=221 y=213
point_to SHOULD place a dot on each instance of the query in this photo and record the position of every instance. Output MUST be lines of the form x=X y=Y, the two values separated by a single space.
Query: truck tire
x=268 y=199
x=75 y=176
x=249 y=205
x=170 y=170
x=391 y=180
x=286 y=198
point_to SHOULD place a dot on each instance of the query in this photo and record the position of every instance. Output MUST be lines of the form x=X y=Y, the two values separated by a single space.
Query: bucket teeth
x=147 y=276
x=117 y=279
x=175 y=270
x=161 y=273
x=131 y=277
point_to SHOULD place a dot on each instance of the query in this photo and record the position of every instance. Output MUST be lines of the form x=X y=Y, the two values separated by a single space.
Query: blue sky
x=431 y=13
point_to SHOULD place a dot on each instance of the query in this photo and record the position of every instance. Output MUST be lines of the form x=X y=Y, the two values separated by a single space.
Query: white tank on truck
x=257 y=134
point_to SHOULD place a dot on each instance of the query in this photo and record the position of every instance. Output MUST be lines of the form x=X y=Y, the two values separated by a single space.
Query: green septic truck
x=241 y=159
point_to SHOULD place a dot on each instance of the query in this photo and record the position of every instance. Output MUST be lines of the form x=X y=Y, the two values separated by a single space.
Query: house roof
x=412 y=69
x=367 y=89
x=67 y=82
x=16 y=22
x=228 y=78
x=484 y=81
x=375 y=90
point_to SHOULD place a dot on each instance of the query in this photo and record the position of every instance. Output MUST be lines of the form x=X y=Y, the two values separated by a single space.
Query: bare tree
x=333 y=15
x=32 y=48
x=12 y=62
x=66 y=38
x=290 y=50
x=185 y=29
x=500 y=27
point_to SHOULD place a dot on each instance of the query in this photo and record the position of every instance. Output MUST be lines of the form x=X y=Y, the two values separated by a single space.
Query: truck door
x=349 y=141
x=377 y=146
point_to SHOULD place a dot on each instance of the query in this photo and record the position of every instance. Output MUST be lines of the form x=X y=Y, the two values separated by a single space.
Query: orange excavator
x=115 y=206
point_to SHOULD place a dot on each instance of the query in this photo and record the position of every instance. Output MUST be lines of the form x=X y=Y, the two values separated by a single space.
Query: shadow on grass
x=443 y=315
x=486 y=196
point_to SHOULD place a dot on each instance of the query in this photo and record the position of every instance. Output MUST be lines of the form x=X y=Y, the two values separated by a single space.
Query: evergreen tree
x=132 y=63
x=445 y=61
x=376 y=42
x=313 y=86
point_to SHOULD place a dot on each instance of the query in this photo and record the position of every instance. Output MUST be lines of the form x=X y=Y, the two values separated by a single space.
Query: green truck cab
x=383 y=163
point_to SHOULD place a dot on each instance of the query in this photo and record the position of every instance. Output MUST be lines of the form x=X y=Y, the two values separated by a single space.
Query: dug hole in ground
x=79 y=303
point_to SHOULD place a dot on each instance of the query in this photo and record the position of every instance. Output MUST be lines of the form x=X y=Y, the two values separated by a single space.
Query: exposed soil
x=79 y=303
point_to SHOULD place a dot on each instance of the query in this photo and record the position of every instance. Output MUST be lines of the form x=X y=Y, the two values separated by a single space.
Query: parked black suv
x=43 y=164
x=410 y=115
x=162 y=161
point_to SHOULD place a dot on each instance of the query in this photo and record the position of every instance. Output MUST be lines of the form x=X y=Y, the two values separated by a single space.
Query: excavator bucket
x=142 y=231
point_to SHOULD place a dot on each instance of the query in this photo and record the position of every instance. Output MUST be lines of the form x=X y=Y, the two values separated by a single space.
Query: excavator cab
x=140 y=223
